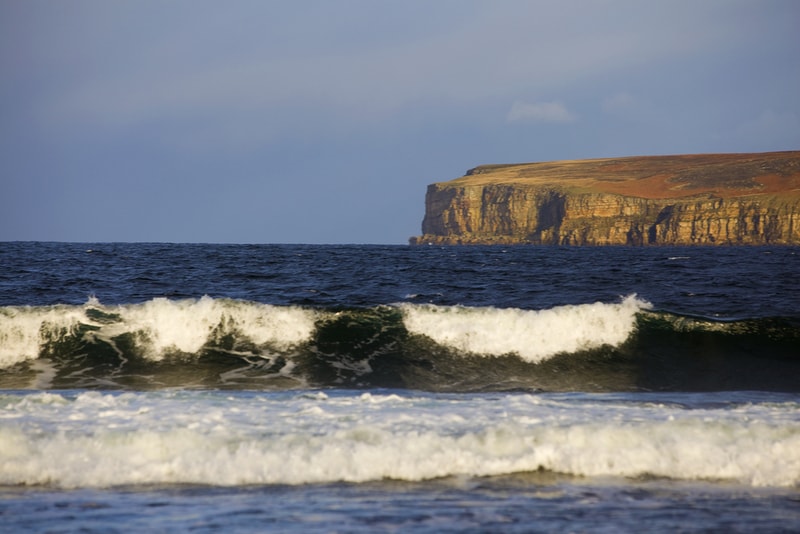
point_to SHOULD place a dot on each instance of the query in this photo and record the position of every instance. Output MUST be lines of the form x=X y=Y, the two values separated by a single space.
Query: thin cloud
x=621 y=103
x=183 y=72
x=633 y=108
x=540 y=112
x=273 y=95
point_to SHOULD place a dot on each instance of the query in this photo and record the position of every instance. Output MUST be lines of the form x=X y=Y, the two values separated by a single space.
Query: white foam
x=158 y=327
x=101 y=440
x=186 y=326
x=23 y=329
x=533 y=335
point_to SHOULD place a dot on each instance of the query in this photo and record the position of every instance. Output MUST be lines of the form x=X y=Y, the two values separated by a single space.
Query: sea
x=348 y=388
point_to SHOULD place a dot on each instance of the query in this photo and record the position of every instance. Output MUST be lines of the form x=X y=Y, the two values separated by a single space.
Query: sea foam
x=102 y=440
x=156 y=328
x=534 y=335
x=23 y=329
x=185 y=326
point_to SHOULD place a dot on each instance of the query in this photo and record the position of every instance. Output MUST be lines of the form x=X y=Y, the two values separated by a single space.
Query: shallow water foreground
x=387 y=460
x=532 y=502
x=162 y=388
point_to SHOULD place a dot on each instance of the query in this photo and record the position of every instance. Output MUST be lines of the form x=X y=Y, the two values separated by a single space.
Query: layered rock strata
x=715 y=199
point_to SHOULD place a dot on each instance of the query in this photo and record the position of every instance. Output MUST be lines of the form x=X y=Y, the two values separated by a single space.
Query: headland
x=697 y=199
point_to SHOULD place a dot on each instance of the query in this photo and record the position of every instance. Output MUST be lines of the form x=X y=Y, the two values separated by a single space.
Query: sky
x=323 y=121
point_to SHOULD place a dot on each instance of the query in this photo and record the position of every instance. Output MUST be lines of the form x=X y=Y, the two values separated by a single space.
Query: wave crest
x=153 y=329
x=222 y=343
x=534 y=335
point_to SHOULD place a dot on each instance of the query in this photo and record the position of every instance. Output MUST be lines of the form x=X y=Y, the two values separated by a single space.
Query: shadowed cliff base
x=701 y=199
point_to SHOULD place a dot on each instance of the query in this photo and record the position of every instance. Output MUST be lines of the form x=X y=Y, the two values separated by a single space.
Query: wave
x=225 y=343
x=532 y=335
x=153 y=330
x=103 y=440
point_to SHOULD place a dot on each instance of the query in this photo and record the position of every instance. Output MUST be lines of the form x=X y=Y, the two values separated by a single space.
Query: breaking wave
x=225 y=343
x=91 y=439
x=532 y=335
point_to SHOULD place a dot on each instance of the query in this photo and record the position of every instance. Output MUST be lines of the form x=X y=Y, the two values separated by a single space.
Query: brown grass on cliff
x=723 y=175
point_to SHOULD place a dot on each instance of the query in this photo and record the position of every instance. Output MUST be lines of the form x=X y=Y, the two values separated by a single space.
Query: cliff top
x=724 y=175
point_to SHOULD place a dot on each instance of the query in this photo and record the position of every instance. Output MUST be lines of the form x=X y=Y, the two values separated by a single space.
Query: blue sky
x=310 y=121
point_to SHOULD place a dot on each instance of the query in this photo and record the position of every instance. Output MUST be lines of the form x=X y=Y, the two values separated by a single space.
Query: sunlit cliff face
x=747 y=199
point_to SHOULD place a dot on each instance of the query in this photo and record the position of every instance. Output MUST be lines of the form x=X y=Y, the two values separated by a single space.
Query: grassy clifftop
x=724 y=175
x=647 y=200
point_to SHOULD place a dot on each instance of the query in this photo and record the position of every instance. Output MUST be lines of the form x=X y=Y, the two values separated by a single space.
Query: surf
x=226 y=343
x=93 y=439
x=533 y=335
x=154 y=330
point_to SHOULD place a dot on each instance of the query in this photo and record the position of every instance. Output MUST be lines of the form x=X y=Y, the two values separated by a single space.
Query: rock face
x=712 y=199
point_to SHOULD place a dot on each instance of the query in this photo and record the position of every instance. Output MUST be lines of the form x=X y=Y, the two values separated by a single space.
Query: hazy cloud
x=633 y=109
x=540 y=112
x=131 y=94
x=363 y=61
x=621 y=103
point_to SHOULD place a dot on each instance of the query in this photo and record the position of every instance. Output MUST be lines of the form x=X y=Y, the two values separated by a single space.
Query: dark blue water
x=295 y=388
x=714 y=281
x=691 y=319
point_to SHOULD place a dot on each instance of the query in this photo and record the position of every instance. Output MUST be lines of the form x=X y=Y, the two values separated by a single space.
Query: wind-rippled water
x=370 y=388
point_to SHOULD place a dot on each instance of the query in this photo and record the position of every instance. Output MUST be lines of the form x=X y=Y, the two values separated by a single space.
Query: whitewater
x=364 y=388
x=93 y=439
x=160 y=327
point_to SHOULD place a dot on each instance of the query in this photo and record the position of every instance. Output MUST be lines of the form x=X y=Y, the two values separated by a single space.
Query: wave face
x=152 y=330
x=534 y=336
x=93 y=439
x=227 y=343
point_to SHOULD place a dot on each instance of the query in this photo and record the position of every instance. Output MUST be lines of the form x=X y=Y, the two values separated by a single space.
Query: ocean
x=350 y=388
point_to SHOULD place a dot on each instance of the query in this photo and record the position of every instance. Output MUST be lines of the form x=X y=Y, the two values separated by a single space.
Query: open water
x=297 y=388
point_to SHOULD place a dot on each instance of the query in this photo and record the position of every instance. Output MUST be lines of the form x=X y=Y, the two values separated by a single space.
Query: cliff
x=708 y=199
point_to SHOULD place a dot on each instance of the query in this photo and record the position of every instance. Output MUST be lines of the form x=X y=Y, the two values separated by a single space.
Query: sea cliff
x=707 y=199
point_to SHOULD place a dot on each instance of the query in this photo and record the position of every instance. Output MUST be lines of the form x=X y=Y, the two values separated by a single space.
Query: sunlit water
x=362 y=389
